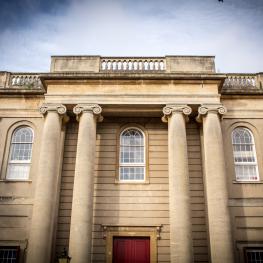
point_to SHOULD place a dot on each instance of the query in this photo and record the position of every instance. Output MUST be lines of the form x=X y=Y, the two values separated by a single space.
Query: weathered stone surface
x=75 y=64
x=190 y=64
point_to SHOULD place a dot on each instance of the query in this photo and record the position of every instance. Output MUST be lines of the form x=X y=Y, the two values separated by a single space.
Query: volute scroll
x=204 y=109
x=93 y=108
x=168 y=110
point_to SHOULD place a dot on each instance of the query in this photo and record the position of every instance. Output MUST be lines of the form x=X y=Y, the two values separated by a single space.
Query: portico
x=177 y=96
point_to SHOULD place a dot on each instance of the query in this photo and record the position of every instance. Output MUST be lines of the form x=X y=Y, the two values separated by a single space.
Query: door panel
x=131 y=250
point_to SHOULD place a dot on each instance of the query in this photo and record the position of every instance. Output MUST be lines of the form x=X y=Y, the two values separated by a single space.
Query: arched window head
x=245 y=157
x=132 y=155
x=20 y=154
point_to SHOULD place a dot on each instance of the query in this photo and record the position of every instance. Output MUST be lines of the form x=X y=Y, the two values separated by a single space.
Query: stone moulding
x=124 y=228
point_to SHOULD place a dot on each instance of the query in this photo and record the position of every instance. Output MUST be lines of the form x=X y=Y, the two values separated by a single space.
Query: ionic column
x=82 y=204
x=220 y=237
x=42 y=223
x=181 y=247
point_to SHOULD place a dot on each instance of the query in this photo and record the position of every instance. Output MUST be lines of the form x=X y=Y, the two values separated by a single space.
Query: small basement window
x=254 y=255
x=9 y=254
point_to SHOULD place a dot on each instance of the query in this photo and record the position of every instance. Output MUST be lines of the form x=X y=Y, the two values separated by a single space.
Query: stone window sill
x=131 y=182
x=247 y=182
x=15 y=181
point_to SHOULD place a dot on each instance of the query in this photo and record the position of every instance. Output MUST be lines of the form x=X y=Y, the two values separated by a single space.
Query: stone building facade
x=131 y=159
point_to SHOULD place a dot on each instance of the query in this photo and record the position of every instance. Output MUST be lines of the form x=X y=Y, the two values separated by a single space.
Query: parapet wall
x=167 y=64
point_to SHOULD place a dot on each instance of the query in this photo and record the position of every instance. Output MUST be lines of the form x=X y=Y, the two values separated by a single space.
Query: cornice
x=121 y=75
x=21 y=92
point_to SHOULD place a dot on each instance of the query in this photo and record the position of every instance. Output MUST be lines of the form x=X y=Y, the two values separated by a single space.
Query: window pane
x=21 y=151
x=8 y=255
x=131 y=173
x=132 y=137
x=254 y=255
x=132 y=154
x=246 y=172
x=23 y=134
x=18 y=171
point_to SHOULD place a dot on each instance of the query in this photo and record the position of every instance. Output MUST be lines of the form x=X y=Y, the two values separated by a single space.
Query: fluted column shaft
x=80 y=240
x=42 y=223
x=179 y=195
x=220 y=236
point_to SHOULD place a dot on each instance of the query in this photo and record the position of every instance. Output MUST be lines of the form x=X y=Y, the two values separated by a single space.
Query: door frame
x=153 y=232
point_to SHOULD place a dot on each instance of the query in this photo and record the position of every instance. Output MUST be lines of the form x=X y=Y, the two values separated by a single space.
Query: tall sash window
x=132 y=155
x=245 y=158
x=20 y=154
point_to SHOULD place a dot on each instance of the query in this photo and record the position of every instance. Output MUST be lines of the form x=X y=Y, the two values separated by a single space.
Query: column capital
x=59 y=108
x=214 y=108
x=168 y=110
x=53 y=107
x=93 y=108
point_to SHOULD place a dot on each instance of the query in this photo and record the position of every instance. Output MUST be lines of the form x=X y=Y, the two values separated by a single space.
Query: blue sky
x=33 y=30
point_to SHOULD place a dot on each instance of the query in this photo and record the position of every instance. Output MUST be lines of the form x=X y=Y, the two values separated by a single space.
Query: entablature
x=178 y=73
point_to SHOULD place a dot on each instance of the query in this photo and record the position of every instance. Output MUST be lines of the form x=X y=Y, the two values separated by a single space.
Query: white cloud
x=233 y=31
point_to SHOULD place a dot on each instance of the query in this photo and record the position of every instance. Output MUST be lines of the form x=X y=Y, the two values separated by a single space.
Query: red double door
x=131 y=250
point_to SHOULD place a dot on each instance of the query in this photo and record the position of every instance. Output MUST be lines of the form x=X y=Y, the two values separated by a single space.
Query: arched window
x=132 y=155
x=245 y=158
x=20 y=154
